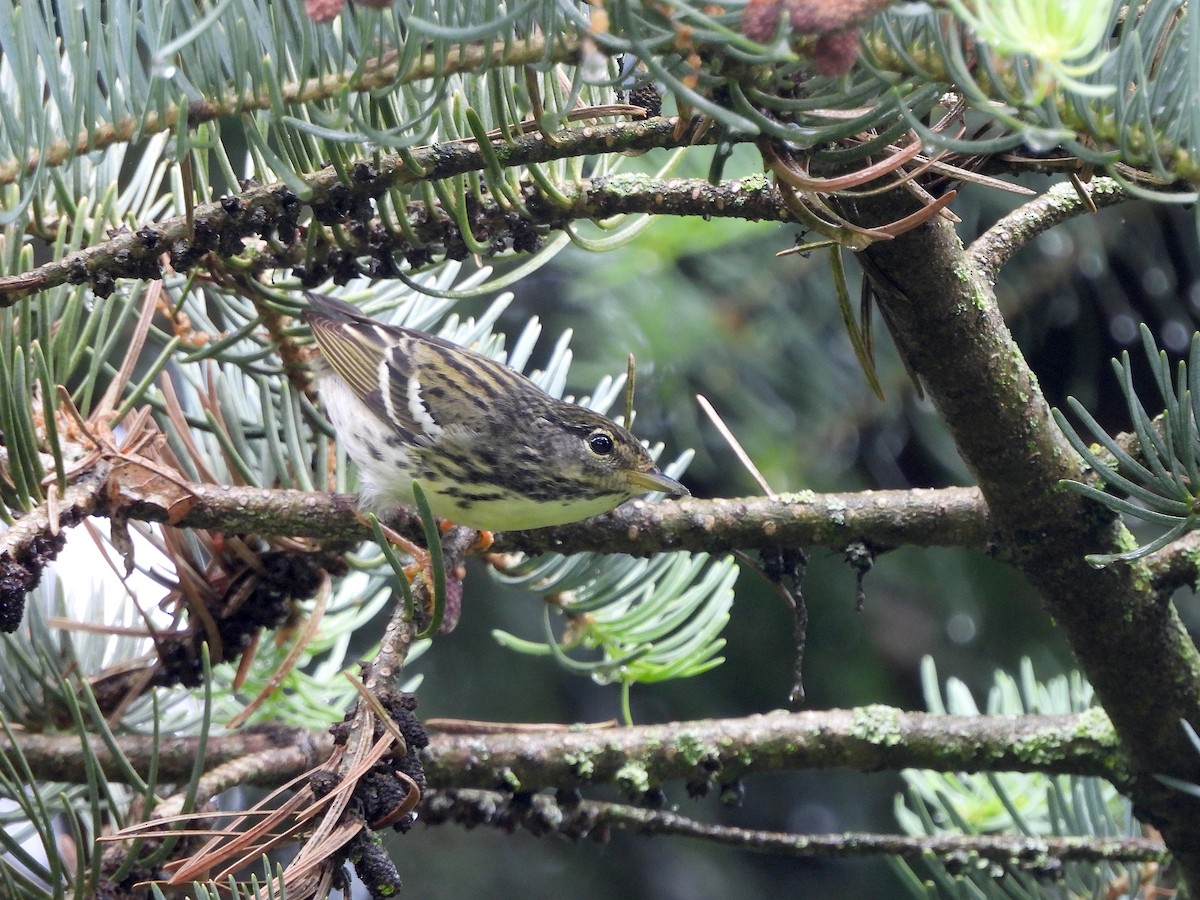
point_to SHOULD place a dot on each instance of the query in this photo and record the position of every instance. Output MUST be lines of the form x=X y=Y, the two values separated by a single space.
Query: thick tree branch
x=636 y=758
x=369 y=246
x=221 y=227
x=1130 y=644
x=722 y=750
x=59 y=757
x=996 y=246
x=34 y=540
x=882 y=519
x=1176 y=565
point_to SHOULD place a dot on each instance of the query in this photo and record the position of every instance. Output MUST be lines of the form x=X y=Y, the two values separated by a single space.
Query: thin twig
x=591 y=818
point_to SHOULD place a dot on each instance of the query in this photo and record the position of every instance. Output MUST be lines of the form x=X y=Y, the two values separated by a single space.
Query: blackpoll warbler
x=490 y=448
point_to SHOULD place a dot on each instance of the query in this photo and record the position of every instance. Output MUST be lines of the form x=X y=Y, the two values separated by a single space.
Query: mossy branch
x=935 y=297
x=881 y=519
x=222 y=226
x=712 y=750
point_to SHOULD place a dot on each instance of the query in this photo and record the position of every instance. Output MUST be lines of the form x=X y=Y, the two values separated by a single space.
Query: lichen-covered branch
x=640 y=757
x=1176 y=565
x=881 y=519
x=59 y=757
x=274 y=210
x=722 y=750
x=996 y=246
x=222 y=228
x=463 y=766
x=1130 y=644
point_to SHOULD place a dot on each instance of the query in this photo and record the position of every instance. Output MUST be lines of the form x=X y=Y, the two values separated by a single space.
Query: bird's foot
x=482 y=544
x=421 y=563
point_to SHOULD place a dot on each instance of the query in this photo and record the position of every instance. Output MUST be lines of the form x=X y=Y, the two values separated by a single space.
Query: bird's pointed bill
x=655 y=480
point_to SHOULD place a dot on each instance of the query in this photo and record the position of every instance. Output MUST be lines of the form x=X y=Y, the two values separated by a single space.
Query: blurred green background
x=707 y=308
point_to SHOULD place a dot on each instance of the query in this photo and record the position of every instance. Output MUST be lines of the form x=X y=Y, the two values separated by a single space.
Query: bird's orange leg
x=421 y=563
x=482 y=544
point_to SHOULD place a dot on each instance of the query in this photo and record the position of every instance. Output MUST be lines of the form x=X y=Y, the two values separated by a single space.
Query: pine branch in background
x=1036 y=806
x=1158 y=471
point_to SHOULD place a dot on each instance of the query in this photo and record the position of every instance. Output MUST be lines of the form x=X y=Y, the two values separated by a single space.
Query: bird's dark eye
x=600 y=443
